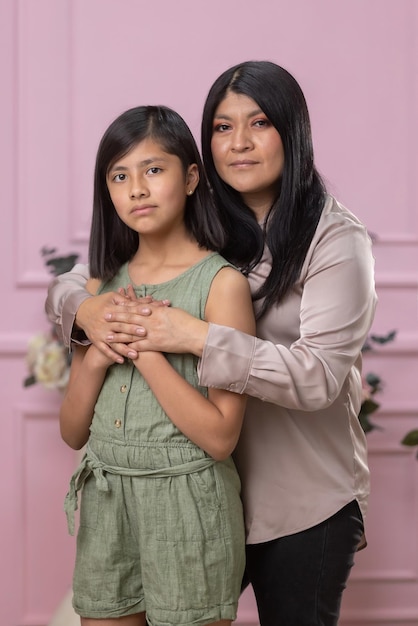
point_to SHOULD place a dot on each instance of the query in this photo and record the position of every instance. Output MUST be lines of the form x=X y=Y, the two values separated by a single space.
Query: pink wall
x=68 y=67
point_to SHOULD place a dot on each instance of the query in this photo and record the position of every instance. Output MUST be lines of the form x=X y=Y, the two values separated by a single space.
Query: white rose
x=51 y=368
x=36 y=345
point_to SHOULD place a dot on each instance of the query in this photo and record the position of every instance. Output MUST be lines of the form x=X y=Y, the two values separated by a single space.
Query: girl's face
x=148 y=188
x=247 y=151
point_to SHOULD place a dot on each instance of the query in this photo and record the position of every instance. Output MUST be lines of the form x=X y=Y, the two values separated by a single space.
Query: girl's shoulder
x=93 y=285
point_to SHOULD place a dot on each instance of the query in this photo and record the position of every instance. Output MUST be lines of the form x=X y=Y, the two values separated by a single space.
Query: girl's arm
x=214 y=423
x=88 y=370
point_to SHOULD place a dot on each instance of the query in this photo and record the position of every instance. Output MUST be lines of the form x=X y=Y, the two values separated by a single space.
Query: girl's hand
x=97 y=359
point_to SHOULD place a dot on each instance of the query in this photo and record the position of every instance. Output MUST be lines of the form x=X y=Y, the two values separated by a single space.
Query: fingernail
x=110 y=338
x=108 y=316
x=132 y=355
x=140 y=331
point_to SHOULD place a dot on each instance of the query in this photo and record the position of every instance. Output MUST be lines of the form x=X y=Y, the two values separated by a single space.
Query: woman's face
x=247 y=151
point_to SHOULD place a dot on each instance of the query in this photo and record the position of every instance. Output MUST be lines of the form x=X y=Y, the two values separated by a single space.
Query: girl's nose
x=138 y=188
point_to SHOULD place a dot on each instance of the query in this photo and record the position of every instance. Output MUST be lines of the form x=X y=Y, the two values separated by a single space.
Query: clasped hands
x=121 y=325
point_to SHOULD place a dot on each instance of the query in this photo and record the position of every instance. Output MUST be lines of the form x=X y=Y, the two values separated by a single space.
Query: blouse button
x=118 y=423
x=123 y=388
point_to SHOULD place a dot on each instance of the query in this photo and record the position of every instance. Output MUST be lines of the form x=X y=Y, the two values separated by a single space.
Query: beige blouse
x=302 y=453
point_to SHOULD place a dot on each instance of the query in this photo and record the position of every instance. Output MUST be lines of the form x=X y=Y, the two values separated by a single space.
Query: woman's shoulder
x=334 y=212
x=339 y=235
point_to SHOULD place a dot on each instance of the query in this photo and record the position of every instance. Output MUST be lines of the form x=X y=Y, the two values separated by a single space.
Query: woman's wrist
x=197 y=337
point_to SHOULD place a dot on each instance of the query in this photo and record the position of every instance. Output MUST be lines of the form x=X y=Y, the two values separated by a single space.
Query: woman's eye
x=221 y=128
x=261 y=123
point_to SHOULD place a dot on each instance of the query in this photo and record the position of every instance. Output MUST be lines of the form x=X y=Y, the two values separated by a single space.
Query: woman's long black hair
x=295 y=212
x=112 y=242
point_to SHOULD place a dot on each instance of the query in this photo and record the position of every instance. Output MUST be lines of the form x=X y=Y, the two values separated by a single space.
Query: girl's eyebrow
x=144 y=163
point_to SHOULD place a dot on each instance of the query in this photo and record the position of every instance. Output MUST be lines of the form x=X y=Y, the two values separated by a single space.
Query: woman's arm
x=65 y=294
x=336 y=312
x=213 y=424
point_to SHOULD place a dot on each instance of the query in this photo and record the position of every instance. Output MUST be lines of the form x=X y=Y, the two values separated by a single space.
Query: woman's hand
x=168 y=329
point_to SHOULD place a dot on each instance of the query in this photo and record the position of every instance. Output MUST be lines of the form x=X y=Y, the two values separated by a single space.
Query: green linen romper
x=161 y=522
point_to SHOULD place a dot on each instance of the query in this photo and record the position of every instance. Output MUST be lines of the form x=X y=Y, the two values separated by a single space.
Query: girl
x=161 y=528
x=302 y=454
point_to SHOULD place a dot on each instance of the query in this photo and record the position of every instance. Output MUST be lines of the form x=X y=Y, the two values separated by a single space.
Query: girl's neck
x=156 y=262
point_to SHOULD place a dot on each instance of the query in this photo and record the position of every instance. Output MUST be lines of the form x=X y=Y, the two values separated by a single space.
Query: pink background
x=68 y=68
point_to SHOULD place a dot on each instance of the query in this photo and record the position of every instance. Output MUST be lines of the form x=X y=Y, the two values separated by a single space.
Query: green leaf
x=30 y=380
x=60 y=265
x=374 y=381
x=365 y=423
x=411 y=438
x=382 y=339
x=369 y=406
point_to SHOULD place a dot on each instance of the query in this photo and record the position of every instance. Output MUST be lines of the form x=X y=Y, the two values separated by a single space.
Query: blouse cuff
x=226 y=359
x=69 y=332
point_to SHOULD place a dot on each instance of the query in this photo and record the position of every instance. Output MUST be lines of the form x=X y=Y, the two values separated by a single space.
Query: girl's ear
x=192 y=178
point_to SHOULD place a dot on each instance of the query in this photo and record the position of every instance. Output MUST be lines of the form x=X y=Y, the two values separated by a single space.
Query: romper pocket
x=190 y=507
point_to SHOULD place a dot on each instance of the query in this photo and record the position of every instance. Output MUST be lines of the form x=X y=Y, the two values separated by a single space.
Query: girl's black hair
x=112 y=242
x=295 y=212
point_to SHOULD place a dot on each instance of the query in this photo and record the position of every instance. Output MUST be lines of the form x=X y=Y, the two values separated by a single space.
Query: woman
x=302 y=454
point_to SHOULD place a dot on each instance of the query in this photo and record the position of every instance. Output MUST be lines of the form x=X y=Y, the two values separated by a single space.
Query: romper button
x=118 y=423
x=123 y=388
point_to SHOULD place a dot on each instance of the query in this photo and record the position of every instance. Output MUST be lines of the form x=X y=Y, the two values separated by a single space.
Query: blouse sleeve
x=65 y=294
x=336 y=311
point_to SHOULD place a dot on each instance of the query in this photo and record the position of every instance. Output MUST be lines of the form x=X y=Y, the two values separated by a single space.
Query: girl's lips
x=144 y=208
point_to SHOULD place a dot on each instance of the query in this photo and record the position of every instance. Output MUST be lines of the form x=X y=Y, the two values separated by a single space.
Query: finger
x=138 y=346
x=123 y=337
x=124 y=350
x=131 y=292
x=111 y=354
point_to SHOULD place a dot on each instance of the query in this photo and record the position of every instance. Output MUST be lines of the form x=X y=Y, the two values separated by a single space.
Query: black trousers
x=299 y=580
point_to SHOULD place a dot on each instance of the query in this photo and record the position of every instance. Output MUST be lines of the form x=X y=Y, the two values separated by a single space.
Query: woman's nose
x=241 y=140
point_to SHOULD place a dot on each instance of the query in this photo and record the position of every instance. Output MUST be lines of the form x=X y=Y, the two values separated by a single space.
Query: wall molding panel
x=71 y=67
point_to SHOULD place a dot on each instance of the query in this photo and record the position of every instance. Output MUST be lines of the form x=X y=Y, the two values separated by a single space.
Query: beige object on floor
x=65 y=616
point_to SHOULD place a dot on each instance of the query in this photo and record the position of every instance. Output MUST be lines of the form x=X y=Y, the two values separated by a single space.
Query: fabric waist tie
x=91 y=464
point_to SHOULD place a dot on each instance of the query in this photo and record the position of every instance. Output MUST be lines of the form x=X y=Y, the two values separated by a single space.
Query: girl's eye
x=154 y=170
x=221 y=128
x=119 y=178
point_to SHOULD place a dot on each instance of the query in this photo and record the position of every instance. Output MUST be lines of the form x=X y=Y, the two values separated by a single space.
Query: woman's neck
x=259 y=203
